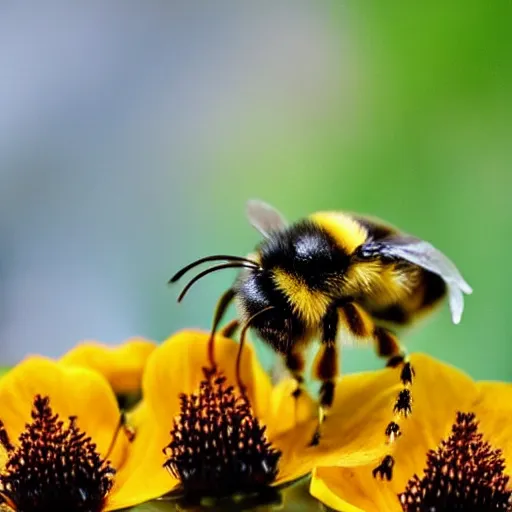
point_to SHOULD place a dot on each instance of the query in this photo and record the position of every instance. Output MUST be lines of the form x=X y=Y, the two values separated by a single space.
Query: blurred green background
x=158 y=128
x=414 y=128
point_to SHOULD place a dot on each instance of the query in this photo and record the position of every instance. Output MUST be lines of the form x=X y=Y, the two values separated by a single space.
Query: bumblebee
x=337 y=278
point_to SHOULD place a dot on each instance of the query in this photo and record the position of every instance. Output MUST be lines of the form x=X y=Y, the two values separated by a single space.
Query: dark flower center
x=463 y=474
x=218 y=447
x=53 y=467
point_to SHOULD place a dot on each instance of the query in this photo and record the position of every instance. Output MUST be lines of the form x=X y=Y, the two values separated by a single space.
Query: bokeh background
x=132 y=134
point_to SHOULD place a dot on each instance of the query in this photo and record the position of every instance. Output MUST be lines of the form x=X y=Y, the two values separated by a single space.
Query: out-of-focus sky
x=132 y=135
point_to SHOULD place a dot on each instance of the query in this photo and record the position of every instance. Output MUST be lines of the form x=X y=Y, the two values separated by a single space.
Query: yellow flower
x=62 y=445
x=218 y=442
x=122 y=365
x=447 y=455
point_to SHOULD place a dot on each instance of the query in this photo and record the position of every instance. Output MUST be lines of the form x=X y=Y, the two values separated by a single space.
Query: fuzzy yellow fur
x=382 y=283
x=347 y=232
x=309 y=304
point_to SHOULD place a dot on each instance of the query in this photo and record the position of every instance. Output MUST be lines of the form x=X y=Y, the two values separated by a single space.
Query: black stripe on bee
x=395 y=314
x=434 y=288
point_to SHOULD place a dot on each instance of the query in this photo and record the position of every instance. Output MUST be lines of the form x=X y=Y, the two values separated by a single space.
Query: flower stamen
x=54 y=466
x=465 y=473
x=218 y=447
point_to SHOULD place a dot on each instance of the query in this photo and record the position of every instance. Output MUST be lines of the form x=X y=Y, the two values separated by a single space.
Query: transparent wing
x=264 y=217
x=425 y=255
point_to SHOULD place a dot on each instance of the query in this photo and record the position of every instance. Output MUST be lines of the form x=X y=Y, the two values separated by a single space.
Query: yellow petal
x=176 y=367
x=143 y=476
x=351 y=436
x=122 y=365
x=285 y=412
x=493 y=410
x=352 y=490
x=291 y=424
x=439 y=391
x=72 y=391
x=353 y=433
x=297 y=457
x=331 y=496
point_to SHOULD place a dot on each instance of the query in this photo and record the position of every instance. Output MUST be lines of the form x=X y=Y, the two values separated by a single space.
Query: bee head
x=256 y=292
x=304 y=253
x=304 y=266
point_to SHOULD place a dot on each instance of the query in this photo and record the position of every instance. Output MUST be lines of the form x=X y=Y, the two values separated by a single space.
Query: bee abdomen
x=434 y=288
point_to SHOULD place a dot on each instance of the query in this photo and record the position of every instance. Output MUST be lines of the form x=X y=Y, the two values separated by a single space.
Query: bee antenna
x=217 y=257
x=243 y=332
x=209 y=271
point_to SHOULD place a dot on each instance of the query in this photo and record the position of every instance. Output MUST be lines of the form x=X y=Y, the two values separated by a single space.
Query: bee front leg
x=326 y=367
x=220 y=310
x=122 y=426
x=229 y=330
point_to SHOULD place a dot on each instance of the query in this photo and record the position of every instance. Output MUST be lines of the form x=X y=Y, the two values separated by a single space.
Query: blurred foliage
x=294 y=498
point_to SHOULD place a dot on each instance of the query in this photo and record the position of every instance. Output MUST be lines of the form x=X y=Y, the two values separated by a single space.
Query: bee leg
x=122 y=426
x=326 y=368
x=388 y=346
x=229 y=330
x=221 y=308
x=295 y=364
x=362 y=327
